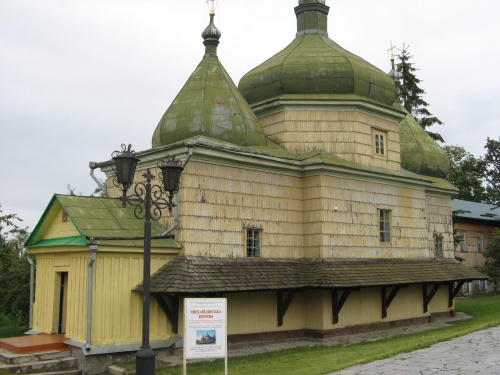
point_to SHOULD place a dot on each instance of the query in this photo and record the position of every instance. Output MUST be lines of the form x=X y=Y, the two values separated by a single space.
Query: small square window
x=253 y=242
x=480 y=242
x=385 y=226
x=438 y=245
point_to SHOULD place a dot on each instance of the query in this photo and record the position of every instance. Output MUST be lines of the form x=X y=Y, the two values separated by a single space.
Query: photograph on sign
x=205 y=328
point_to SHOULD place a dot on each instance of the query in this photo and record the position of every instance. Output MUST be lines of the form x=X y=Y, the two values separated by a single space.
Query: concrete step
x=49 y=365
x=10 y=358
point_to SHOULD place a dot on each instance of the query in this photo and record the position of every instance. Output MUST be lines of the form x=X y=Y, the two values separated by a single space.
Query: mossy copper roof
x=313 y=64
x=419 y=152
x=189 y=275
x=209 y=104
x=102 y=219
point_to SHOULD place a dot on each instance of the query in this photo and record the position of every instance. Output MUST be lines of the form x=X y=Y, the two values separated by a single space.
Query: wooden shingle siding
x=439 y=221
x=347 y=134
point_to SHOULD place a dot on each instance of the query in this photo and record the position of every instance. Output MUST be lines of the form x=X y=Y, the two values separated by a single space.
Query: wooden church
x=310 y=199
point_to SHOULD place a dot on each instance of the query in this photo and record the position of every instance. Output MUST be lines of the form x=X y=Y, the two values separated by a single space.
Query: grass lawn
x=324 y=359
x=7 y=328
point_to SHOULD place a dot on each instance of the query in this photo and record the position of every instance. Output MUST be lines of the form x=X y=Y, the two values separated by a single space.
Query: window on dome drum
x=438 y=245
x=480 y=242
x=385 y=226
x=253 y=242
x=379 y=143
x=463 y=240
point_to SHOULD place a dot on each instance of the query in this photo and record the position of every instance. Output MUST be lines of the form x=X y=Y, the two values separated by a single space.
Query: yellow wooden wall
x=117 y=311
x=315 y=217
x=312 y=309
x=341 y=219
x=347 y=134
x=59 y=228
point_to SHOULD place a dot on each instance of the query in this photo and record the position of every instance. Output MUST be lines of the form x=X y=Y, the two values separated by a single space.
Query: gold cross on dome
x=392 y=51
x=211 y=4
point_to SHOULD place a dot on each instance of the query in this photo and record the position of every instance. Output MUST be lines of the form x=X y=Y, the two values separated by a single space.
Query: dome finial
x=395 y=75
x=211 y=34
x=312 y=17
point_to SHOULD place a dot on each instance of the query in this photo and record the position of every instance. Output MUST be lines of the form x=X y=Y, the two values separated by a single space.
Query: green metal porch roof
x=102 y=219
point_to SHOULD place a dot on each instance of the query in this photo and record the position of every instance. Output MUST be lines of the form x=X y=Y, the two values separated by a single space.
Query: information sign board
x=205 y=333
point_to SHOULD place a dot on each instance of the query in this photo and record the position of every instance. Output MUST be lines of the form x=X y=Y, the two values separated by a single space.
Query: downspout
x=32 y=289
x=93 y=256
x=92 y=166
x=176 y=208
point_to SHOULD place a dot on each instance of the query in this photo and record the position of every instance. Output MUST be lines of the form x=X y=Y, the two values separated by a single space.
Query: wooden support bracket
x=386 y=301
x=283 y=305
x=338 y=304
x=428 y=297
x=452 y=292
x=172 y=314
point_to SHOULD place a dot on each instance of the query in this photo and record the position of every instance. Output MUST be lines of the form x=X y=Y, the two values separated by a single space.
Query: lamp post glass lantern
x=148 y=203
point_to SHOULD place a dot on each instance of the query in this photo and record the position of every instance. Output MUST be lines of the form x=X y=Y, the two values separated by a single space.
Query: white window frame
x=385 y=218
x=253 y=242
x=380 y=143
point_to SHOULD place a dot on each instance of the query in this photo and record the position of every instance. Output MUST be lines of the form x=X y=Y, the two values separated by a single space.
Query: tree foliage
x=98 y=192
x=492 y=175
x=412 y=94
x=467 y=174
x=14 y=269
x=492 y=255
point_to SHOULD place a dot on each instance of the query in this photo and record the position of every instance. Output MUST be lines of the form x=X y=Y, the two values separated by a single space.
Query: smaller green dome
x=419 y=152
x=209 y=105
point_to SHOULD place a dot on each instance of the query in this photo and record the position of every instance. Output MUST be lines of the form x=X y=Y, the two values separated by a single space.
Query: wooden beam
x=386 y=302
x=338 y=304
x=172 y=314
x=283 y=305
x=452 y=293
x=428 y=297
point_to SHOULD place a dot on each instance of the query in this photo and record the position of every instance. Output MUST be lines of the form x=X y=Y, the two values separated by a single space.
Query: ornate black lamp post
x=148 y=202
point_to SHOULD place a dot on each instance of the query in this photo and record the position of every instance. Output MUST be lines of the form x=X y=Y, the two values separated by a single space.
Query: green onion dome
x=210 y=105
x=315 y=66
x=419 y=152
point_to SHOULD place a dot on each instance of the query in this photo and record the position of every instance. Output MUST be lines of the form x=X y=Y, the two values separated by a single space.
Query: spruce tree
x=412 y=94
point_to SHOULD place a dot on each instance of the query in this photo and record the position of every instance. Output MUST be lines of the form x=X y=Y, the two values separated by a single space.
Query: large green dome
x=315 y=65
x=209 y=104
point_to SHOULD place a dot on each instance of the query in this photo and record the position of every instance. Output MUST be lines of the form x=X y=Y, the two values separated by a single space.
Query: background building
x=474 y=223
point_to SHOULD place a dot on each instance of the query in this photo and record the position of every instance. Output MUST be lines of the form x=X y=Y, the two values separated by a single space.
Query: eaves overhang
x=207 y=150
x=327 y=103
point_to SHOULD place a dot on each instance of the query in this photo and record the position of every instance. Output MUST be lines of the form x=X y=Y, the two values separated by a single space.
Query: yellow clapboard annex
x=310 y=199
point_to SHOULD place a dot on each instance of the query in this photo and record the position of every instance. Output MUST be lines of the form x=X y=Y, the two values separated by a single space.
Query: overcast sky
x=78 y=78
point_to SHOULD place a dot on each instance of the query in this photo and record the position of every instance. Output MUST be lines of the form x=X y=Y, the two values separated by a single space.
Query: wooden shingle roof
x=189 y=275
